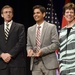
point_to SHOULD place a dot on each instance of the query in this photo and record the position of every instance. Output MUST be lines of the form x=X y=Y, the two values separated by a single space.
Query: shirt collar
x=41 y=24
x=8 y=22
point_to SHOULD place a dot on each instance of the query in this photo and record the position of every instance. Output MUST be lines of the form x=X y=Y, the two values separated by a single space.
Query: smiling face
x=69 y=12
x=38 y=15
x=7 y=14
x=69 y=15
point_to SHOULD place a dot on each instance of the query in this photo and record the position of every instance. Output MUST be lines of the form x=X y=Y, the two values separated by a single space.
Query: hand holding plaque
x=36 y=53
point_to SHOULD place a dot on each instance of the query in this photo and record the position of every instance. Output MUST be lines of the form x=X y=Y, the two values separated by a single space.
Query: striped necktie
x=38 y=38
x=6 y=31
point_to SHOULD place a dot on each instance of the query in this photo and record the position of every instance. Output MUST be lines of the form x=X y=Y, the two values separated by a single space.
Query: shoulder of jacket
x=31 y=27
x=50 y=24
x=18 y=24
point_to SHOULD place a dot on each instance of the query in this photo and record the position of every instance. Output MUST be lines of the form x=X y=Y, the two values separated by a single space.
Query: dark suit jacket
x=49 y=43
x=15 y=45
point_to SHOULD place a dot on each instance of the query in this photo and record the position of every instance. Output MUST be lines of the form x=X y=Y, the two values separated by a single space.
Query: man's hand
x=6 y=57
x=38 y=53
x=30 y=53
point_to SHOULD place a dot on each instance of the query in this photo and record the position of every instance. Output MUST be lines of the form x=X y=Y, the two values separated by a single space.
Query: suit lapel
x=2 y=33
x=11 y=29
x=34 y=33
x=43 y=32
x=42 y=35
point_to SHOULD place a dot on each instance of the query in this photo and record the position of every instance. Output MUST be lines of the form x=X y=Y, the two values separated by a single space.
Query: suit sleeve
x=54 y=42
x=29 y=46
x=1 y=52
x=20 y=44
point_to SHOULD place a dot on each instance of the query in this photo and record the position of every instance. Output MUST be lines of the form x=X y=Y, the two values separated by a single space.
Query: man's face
x=38 y=15
x=7 y=14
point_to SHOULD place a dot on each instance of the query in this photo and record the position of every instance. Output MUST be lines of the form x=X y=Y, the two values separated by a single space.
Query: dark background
x=23 y=14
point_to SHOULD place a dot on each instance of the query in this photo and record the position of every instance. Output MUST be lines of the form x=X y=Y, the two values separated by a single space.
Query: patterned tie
x=6 y=31
x=38 y=38
x=36 y=60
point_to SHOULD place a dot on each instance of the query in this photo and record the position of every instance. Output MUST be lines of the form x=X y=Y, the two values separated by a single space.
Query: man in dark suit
x=12 y=45
x=43 y=58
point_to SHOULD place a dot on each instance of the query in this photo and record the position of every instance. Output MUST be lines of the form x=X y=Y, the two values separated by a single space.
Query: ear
x=63 y=15
x=2 y=15
x=44 y=14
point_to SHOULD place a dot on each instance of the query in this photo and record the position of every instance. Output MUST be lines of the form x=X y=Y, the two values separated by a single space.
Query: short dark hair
x=69 y=6
x=40 y=7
